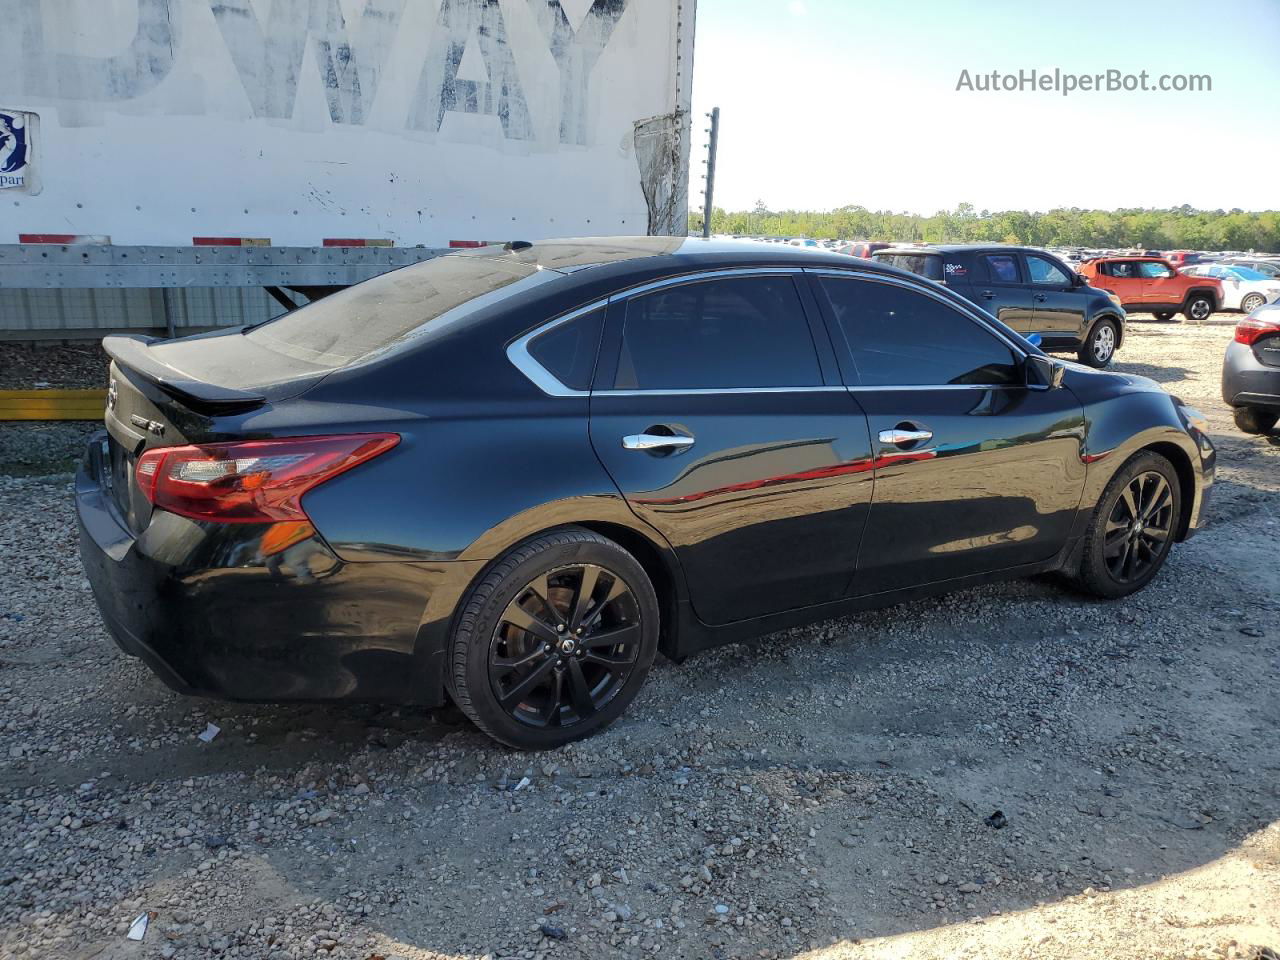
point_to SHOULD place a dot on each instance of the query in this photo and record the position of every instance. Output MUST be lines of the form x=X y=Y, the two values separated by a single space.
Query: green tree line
x=1177 y=228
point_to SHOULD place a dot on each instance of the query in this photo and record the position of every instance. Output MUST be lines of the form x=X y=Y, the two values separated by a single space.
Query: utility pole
x=711 y=169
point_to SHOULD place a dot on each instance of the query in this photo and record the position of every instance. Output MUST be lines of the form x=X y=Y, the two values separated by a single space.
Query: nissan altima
x=513 y=475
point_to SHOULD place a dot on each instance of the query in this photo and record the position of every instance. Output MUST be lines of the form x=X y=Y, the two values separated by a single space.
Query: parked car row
x=1152 y=284
x=1028 y=290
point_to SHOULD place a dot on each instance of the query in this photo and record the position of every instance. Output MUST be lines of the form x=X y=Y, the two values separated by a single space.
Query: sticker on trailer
x=17 y=150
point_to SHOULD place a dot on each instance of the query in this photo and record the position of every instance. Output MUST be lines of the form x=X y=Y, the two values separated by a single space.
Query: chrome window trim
x=520 y=357
x=712 y=391
x=715 y=274
x=937 y=386
x=542 y=378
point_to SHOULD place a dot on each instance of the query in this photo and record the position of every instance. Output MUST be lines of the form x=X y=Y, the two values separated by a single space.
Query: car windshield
x=1244 y=273
x=416 y=301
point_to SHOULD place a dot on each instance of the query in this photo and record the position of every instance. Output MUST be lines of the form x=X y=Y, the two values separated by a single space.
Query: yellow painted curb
x=52 y=404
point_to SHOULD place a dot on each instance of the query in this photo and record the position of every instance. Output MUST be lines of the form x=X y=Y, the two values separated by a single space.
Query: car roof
x=965 y=248
x=577 y=254
x=1128 y=256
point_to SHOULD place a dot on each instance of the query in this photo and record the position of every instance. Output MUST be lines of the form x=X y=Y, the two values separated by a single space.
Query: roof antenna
x=516 y=245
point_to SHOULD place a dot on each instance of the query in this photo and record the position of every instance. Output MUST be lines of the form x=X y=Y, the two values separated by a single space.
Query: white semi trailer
x=308 y=144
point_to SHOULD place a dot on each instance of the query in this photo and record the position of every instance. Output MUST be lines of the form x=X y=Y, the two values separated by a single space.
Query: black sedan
x=513 y=475
x=1251 y=371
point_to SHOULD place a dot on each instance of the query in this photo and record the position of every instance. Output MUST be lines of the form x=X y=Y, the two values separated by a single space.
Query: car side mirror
x=1043 y=373
x=1079 y=280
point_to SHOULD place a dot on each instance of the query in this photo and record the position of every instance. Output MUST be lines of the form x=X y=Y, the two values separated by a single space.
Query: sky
x=826 y=103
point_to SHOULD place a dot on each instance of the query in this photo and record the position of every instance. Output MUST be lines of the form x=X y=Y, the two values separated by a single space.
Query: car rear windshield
x=924 y=264
x=417 y=301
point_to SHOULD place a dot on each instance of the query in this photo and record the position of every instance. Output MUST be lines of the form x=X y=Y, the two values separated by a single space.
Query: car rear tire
x=1198 y=308
x=537 y=662
x=1132 y=529
x=1099 y=347
x=1255 y=419
x=1164 y=316
x=1252 y=302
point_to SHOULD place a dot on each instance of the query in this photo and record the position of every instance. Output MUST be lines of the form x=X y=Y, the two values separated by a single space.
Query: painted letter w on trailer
x=269 y=57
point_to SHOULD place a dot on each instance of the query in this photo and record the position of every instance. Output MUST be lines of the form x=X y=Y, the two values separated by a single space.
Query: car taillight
x=253 y=481
x=1252 y=329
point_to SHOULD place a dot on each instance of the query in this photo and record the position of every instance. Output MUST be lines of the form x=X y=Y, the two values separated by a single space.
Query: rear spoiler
x=133 y=351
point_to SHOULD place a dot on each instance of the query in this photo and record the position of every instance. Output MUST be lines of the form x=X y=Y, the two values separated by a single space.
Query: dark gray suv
x=1027 y=289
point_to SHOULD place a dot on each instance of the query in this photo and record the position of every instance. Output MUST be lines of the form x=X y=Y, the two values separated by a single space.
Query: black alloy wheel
x=555 y=640
x=565 y=646
x=1133 y=527
x=1138 y=531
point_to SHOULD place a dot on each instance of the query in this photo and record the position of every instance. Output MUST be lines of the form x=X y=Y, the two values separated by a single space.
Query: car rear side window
x=924 y=265
x=1002 y=267
x=718 y=334
x=568 y=350
x=900 y=337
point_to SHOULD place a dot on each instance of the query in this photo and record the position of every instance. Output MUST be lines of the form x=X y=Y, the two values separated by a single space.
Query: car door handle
x=899 y=436
x=656 y=441
x=1040 y=298
x=988 y=295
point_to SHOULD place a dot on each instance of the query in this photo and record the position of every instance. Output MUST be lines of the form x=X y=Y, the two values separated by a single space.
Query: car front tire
x=1198 y=308
x=1164 y=315
x=1254 y=419
x=555 y=641
x=1133 y=526
x=1099 y=347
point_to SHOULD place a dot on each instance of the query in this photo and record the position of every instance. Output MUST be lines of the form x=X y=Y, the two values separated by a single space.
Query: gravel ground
x=33 y=366
x=829 y=792
x=35 y=448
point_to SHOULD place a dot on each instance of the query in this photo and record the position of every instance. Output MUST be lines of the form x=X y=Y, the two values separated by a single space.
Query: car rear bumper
x=1247 y=381
x=212 y=615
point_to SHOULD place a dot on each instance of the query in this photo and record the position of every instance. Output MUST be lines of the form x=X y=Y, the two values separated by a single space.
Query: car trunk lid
x=167 y=393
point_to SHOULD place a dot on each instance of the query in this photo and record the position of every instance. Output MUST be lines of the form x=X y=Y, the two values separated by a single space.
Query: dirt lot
x=825 y=793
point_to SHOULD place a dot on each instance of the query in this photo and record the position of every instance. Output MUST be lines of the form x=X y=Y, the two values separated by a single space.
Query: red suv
x=1183 y=258
x=1153 y=285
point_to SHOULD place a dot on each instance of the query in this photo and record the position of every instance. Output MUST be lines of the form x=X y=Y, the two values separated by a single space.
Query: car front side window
x=902 y=337
x=728 y=333
x=1154 y=271
x=1046 y=272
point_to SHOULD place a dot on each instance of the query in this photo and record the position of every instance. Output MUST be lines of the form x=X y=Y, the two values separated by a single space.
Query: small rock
x=552 y=932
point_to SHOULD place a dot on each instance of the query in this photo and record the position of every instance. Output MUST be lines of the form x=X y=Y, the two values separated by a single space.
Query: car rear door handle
x=656 y=441
x=988 y=295
x=1040 y=298
x=901 y=436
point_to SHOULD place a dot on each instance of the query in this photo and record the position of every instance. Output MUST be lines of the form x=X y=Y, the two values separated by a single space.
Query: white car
x=1242 y=288
x=1268 y=268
